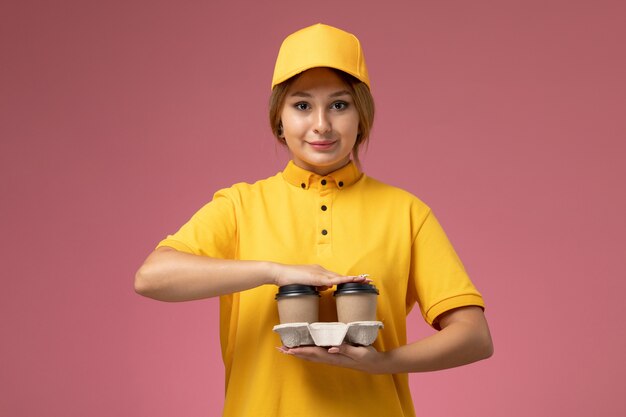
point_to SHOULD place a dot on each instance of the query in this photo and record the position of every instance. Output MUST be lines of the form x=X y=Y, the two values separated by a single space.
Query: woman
x=321 y=222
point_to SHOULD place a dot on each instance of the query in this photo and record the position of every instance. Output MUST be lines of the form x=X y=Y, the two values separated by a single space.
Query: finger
x=310 y=353
x=361 y=278
x=342 y=349
x=322 y=355
x=340 y=279
x=350 y=351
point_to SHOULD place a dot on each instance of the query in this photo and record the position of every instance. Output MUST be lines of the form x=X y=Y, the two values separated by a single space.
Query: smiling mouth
x=322 y=145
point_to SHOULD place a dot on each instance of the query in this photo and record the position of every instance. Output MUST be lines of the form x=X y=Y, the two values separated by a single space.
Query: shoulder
x=381 y=191
x=244 y=190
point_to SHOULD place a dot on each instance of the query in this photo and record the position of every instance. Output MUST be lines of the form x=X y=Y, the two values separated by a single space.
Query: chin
x=323 y=162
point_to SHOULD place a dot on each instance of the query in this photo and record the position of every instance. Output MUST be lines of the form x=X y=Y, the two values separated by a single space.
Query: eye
x=302 y=105
x=339 y=105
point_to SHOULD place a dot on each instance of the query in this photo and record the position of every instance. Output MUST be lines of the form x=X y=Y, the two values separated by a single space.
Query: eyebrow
x=307 y=95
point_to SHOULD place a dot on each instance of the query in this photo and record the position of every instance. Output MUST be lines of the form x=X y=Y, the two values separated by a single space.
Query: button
x=324 y=232
x=303 y=185
x=323 y=182
x=324 y=208
x=340 y=183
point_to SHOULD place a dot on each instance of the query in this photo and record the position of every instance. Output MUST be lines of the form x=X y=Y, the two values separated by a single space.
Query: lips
x=321 y=145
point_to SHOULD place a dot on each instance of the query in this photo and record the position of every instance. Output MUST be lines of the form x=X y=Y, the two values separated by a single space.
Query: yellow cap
x=320 y=46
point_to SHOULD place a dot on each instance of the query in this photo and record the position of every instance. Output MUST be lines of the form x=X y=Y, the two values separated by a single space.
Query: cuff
x=175 y=244
x=451 y=303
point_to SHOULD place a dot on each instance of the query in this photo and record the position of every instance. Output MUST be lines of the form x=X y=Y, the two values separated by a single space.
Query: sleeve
x=438 y=280
x=212 y=231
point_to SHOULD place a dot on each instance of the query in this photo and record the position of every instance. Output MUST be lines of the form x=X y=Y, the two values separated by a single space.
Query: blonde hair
x=363 y=101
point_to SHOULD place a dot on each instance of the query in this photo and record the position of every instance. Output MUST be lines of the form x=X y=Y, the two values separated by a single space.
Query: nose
x=322 y=123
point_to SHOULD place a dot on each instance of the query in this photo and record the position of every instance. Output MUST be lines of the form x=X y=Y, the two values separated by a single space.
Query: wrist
x=383 y=364
x=270 y=272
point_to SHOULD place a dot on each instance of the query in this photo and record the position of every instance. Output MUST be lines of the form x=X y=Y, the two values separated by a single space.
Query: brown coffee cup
x=297 y=304
x=356 y=302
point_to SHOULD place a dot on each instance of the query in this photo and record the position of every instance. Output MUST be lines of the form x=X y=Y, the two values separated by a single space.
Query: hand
x=361 y=358
x=315 y=275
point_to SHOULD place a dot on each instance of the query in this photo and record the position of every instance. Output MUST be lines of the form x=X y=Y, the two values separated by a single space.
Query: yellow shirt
x=346 y=222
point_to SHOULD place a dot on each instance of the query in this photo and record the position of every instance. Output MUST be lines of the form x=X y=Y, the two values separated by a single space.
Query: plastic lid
x=354 y=288
x=294 y=290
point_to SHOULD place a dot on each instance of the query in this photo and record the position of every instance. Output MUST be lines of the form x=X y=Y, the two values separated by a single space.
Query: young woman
x=321 y=222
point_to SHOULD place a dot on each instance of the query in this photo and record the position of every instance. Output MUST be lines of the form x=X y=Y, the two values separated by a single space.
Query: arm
x=464 y=338
x=171 y=275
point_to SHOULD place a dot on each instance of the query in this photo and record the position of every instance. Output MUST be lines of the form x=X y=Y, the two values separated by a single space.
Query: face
x=320 y=121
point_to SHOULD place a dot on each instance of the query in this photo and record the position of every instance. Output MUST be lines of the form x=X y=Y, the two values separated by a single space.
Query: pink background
x=119 y=119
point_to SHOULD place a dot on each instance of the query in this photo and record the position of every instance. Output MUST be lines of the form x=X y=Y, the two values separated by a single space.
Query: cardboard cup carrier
x=298 y=310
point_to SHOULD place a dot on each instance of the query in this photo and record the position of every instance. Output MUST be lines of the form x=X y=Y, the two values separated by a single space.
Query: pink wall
x=119 y=119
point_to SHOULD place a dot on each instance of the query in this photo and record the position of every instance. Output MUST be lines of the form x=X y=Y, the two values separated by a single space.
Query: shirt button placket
x=324 y=215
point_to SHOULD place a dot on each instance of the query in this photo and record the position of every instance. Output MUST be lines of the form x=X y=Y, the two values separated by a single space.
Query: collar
x=341 y=178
